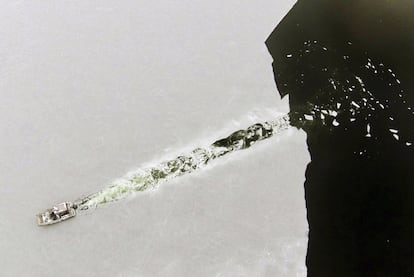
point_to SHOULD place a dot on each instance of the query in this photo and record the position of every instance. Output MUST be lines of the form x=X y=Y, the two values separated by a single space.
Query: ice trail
x=148 y=178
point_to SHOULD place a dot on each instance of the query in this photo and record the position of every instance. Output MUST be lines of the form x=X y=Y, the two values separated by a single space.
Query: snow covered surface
x=92 y=89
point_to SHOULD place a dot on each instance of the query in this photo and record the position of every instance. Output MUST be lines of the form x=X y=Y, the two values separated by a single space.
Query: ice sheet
x=92 y=89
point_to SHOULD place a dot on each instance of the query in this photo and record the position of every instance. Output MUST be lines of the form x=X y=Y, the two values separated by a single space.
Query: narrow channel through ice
x=148 y=178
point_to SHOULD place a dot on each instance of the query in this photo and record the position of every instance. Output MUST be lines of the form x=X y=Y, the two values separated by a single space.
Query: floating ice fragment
x=360 y=80
x=368 y=135
x=355 y=104
x=394 y=131
x=332 y=83
x=308 y=117
x=333 y=113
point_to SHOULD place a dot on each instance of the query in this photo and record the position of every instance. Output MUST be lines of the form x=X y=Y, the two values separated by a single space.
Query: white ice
x=91 y=89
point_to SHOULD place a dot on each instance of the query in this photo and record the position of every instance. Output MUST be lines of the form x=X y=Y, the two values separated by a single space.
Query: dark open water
x=347 y=68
